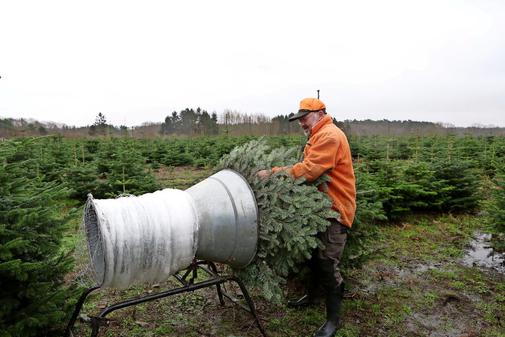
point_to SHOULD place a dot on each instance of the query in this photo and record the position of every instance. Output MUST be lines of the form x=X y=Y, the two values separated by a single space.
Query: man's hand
x=263 y=174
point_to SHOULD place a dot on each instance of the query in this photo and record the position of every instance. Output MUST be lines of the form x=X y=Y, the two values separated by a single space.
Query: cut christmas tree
x=291 y=214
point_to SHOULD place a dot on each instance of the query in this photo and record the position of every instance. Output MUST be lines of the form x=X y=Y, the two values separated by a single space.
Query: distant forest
x=199 y=122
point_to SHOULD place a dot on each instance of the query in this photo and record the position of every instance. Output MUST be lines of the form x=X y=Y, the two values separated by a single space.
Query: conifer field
x=420 y=201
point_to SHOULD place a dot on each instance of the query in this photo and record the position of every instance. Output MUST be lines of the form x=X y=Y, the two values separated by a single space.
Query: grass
x=415 y=286
x=180 y=177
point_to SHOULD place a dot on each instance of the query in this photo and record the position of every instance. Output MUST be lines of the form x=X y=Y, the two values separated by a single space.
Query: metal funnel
x=228 y=219
x=152 y=236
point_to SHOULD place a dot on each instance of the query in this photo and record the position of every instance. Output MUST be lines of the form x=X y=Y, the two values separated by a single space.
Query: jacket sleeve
x=319 y=158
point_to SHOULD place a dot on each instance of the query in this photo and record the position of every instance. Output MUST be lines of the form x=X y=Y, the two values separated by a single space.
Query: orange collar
x=323 y=121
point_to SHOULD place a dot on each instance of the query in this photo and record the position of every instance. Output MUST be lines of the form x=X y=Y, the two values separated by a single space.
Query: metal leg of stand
x=213 y=267
x=97 y=321
x=250 y=303
x=95 y=325
x=78 y=307
x=215 y=280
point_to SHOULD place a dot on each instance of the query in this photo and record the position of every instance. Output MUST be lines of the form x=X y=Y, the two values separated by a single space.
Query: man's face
x=308 y=121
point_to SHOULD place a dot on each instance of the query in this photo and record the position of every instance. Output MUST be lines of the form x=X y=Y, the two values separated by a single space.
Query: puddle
x=481 y=254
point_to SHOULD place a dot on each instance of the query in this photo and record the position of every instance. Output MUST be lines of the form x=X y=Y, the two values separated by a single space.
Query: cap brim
x=299 y=115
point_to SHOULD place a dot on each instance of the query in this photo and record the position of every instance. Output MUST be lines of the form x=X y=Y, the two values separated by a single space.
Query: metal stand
x=214 y=279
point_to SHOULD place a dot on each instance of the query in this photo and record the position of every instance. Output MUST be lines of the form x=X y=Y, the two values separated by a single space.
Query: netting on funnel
x=142 y=239
x=94 y=240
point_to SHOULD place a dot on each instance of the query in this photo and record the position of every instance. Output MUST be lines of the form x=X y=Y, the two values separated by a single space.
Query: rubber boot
x=314 y=291
x=333 y=303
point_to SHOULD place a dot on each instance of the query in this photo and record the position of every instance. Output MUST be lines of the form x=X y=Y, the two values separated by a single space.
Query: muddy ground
x=418 y=284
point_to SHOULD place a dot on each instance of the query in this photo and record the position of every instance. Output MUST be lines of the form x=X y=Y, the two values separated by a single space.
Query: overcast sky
x=137 y=61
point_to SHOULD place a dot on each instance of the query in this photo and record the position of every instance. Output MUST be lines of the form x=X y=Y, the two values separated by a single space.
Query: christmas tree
x=33 y=300
x=496 y=209
x=291 y=213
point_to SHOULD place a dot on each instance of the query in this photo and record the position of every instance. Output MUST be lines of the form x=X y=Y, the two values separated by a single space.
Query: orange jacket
x=328 y=151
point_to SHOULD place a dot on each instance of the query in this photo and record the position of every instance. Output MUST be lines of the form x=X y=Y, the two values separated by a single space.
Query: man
x=327 y=152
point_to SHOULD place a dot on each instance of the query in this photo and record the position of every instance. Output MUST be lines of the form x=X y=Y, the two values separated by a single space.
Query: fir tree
x=369 y=212
x=176 y=154
x=82 y=179
x=496 y=210
x=53 y=155
x=460 y=183
x=33 y=301
x=126 y=172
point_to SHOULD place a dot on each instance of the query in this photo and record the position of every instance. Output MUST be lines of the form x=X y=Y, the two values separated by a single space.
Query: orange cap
x=308 y=105
x=311 y=104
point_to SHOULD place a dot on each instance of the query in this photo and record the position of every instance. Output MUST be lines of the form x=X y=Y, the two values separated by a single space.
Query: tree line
x=189 y=121
x=199 y=122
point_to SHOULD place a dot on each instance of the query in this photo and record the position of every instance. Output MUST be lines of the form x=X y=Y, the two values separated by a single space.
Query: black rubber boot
x=333 y=302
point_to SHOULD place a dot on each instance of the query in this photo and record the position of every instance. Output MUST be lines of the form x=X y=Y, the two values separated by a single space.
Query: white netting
x=142 y=239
